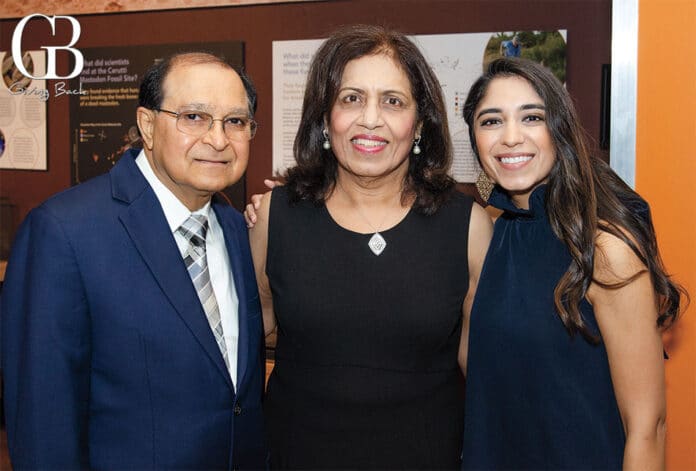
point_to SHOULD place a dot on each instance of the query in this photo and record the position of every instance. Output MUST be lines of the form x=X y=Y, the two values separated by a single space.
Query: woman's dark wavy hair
x=314 y=176
x=583 y=195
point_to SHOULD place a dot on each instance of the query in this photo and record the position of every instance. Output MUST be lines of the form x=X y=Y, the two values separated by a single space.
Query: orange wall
x=666 y=177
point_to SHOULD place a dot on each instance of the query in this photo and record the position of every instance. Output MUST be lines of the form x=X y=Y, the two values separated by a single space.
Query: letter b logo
x=51 y=64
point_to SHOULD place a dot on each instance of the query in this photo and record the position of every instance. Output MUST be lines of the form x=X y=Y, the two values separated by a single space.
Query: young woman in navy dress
x=565 y=360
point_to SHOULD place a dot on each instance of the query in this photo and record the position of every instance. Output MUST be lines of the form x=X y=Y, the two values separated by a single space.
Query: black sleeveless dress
x=366 y=373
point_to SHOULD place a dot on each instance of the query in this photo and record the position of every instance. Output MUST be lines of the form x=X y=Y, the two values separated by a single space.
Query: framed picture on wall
x=23 y=112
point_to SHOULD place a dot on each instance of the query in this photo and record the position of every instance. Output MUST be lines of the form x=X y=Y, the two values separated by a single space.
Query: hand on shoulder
x=256 y=201
x=259 y=209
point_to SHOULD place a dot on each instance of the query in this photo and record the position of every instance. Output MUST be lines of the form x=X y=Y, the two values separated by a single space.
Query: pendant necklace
x=376 y=243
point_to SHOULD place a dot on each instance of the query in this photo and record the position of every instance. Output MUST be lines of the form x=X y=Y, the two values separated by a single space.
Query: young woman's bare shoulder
x=614 y=260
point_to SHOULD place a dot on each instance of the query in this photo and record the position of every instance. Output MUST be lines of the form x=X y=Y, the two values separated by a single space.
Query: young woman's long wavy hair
x=584 y=195
x=314 y=176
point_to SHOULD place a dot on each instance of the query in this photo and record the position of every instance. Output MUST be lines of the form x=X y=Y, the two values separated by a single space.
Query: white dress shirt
x=216 y=250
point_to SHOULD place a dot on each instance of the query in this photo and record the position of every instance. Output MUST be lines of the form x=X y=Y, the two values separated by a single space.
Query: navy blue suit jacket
x=108 y=359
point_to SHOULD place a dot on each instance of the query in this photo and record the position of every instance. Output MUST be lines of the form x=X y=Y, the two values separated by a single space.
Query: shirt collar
x=174 y=210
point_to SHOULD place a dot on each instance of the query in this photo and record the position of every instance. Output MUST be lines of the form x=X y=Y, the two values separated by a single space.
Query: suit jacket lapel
x=145 y=223
x=233 y=252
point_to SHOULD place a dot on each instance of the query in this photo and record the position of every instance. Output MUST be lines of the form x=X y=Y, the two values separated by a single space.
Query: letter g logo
x=51 y=65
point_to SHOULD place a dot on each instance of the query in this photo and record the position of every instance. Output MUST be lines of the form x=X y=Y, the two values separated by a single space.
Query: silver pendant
x=377 y=243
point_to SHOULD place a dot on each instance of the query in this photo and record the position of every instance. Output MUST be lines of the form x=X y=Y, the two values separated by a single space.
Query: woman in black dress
x=367 y=260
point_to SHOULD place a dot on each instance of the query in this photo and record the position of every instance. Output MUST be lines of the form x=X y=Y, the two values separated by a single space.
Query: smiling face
x=514 y=143
x=195 y=167
x=373 y=121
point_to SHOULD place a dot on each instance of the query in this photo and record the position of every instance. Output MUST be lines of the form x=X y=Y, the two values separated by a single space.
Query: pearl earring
x=326 y=144
x=416 y=146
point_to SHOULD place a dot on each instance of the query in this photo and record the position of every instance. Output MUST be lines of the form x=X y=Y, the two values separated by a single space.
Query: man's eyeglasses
x=197 y=123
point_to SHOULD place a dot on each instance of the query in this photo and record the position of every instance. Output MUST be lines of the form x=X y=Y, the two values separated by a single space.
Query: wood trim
x=9 y=9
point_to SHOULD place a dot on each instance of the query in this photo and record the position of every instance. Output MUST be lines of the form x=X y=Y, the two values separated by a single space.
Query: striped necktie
x=194 y=230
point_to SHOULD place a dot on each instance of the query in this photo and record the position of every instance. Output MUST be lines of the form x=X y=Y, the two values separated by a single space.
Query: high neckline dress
x=536 y=398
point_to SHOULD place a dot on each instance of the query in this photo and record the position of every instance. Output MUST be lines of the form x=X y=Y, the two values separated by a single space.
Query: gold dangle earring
x=484 y=185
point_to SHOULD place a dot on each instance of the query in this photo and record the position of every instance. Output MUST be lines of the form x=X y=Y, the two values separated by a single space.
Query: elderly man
x=131 y=328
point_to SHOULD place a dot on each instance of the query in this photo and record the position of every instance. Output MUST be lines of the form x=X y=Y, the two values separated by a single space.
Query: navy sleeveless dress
x=366 y=373
x=535 y=397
